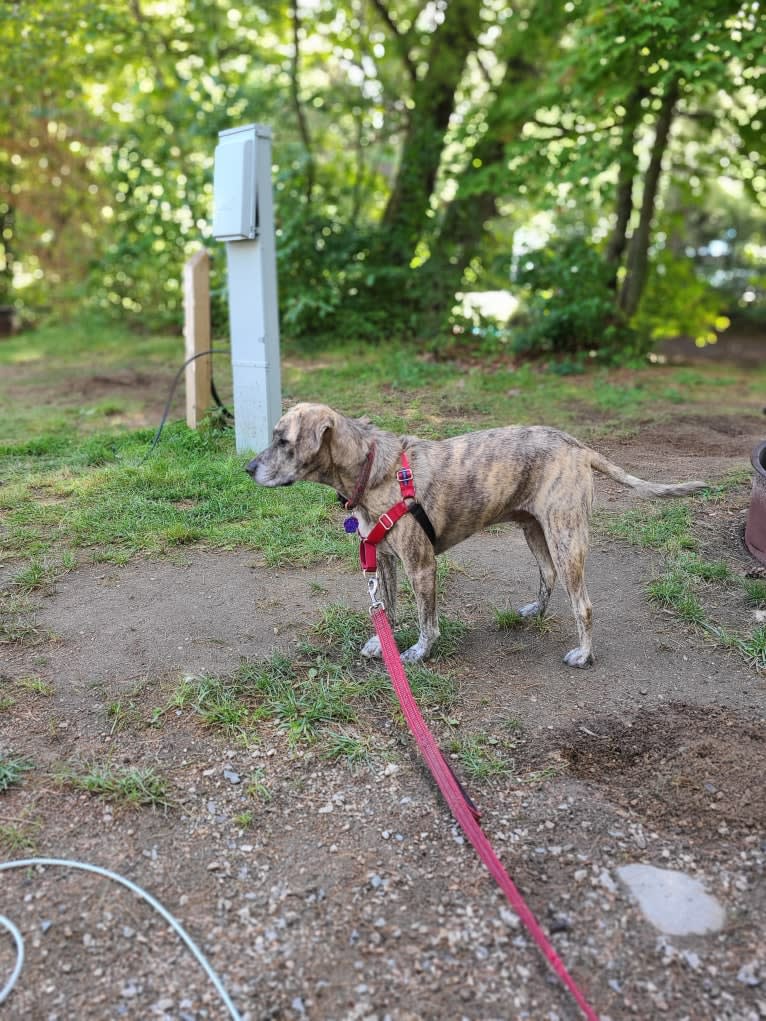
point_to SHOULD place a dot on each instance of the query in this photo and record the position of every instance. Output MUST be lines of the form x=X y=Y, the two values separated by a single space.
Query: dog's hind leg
x=387 y=581
x=567 y=537
x=535 y=537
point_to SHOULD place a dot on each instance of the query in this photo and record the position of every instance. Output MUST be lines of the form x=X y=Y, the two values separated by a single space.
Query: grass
x=481 y=756
x=312 y=698
x=667 y=526
x=19 y=838
x=686 y=577
x=256 y=786
x=11 y=771
x=35 y=685
x=755 y=592
x=509 y=620
x=132 y=786
x=76 y=478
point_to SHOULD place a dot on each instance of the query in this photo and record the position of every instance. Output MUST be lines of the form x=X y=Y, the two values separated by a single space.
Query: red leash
x=459 y=803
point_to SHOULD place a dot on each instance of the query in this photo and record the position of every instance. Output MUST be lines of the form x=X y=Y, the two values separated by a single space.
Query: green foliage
x=11 y=771
x=755 y=590
x=125 y=784
x=570 y=309
x=678 y=301
x=406 y=148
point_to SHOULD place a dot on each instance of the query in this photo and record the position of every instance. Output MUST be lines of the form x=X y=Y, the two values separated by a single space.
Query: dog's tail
x=602 y=464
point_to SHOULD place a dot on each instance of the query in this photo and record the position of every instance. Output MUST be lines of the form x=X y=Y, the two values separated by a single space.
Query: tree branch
x=401 y=38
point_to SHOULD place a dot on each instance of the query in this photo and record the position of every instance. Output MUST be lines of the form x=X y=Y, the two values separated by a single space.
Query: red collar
x=364 y=478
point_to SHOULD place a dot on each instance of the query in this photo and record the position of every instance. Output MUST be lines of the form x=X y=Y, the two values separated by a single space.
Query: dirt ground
x=351 y=894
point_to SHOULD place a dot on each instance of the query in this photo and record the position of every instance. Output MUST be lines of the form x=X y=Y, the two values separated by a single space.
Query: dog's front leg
x=423 y=578
x=387 y=581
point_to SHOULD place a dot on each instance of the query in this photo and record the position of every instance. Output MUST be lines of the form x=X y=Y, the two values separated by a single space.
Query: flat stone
x=672 y=901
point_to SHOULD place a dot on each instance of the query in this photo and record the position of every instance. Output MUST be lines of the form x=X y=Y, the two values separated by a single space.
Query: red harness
x=387 y=520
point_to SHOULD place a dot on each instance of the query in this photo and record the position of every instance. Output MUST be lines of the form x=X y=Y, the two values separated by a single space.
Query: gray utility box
x=243 y=218
x=234 y=185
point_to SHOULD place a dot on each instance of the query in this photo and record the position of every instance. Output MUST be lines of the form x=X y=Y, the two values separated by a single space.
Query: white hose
x=83 y=866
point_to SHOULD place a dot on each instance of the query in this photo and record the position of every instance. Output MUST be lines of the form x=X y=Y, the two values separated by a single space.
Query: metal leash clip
x=372 y=589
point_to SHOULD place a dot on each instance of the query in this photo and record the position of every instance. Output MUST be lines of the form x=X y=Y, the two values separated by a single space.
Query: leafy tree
x=412 y=139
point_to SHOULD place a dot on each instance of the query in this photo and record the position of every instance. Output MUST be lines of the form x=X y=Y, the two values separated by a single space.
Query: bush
x=571 y=305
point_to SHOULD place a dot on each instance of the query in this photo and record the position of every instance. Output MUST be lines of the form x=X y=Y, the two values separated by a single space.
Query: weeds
x=681 y=586
x=256 y=786
x=482 y=756
x=354 y=750
x=755 y=592
x=127 y=785
x=12 y=770
x=509 y=620
x=19 y=838
x=35 y=685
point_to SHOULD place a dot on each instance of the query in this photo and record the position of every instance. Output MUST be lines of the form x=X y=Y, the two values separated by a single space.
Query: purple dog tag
x=351 y=525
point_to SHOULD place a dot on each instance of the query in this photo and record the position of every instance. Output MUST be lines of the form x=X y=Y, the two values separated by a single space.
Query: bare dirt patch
x=694 y=769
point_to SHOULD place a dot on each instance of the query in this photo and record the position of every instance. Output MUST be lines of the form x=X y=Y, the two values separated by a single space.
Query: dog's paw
x=579 y=658
x=372 y=649
x=529 y=610
x=415 y=654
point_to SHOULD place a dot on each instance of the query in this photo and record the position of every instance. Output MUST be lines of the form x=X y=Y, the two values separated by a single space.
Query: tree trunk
x=628 y=166
x=466 y=220
x=407 y=212
x=638 y=252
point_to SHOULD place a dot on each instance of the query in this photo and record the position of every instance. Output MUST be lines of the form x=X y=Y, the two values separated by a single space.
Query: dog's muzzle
x=260 y=474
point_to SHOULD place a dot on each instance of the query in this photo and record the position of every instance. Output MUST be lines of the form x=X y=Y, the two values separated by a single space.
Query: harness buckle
x=404 y=475
x=387 y=521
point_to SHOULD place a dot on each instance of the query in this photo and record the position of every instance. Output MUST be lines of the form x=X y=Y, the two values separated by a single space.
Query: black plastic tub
x=755 y=528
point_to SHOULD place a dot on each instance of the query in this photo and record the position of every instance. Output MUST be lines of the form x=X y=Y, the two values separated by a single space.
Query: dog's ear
x=320 y=427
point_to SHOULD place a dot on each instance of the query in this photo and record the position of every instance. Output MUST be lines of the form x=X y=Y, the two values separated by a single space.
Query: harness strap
x=387 y=520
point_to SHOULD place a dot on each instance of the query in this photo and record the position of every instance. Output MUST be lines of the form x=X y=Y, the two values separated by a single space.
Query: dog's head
x=295 y=447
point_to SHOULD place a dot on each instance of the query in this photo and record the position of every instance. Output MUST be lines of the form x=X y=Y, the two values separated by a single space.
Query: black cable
x=224 y=410
x=174 y=384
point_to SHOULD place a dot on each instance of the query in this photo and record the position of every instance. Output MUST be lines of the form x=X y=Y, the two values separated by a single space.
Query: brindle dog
x=536 y=476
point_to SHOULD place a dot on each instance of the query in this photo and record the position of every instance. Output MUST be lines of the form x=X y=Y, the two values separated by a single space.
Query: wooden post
x=197 y=336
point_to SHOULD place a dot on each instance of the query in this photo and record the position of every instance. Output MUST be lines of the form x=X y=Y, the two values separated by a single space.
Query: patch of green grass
x=35 y=685
x=354 y=750
x=126 y=785
x=344 y=629
x=681 y=586
x=256 y=785
x=482 y=756
x=673 y=591
x=17 y=620
x=302 y=702
x=432 y=688
x=751 y=646
x=667 y=526
x=452 y=632
x=121 y=715
x=509 y=620
x=18 y=838
x=755 y=592
x=218 y=702
x=11 y=770
x=244 y=820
